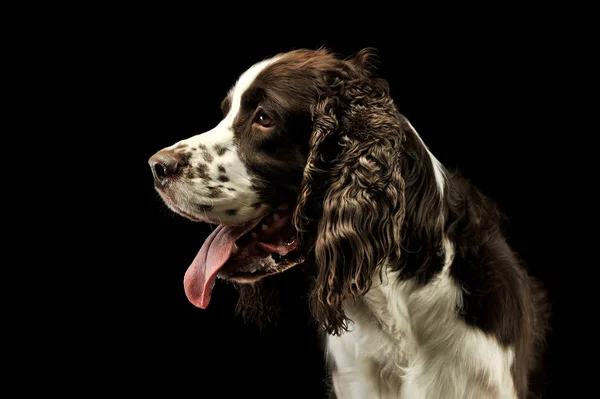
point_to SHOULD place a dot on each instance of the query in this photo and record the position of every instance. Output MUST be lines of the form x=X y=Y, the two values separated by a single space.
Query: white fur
x=438 y=169
x=189 y=193
x=408 y=342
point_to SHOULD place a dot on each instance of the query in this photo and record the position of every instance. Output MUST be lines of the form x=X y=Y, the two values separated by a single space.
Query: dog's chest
x=373 y=356
x=406 y=341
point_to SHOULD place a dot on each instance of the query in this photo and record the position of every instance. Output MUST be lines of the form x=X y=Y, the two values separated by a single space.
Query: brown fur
x=365 y=191
x=354 y=153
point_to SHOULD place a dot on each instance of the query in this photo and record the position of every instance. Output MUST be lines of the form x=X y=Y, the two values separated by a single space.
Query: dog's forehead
x=244 y=82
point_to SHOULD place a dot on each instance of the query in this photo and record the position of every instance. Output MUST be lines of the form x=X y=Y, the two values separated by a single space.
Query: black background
x=484 y=97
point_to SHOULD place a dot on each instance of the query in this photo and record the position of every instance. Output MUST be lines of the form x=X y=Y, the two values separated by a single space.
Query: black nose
x=164 y=164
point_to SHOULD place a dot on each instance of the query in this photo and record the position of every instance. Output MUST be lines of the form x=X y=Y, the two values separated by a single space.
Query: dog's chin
x=175 y=206
x=195 y=212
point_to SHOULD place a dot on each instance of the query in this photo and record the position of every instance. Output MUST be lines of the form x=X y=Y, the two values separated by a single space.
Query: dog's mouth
x=244 y=254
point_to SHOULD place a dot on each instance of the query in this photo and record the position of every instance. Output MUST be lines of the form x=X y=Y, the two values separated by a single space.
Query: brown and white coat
x=414 y=285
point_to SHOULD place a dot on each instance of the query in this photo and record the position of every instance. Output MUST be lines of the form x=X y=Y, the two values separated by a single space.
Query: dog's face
x=244 y=176
x=230 y=174
x=304 y=165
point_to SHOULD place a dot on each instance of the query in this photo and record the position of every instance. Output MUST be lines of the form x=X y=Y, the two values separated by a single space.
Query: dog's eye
x=263 y=119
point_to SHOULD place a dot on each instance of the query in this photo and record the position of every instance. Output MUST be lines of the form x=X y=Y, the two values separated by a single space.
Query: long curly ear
x=351 y=204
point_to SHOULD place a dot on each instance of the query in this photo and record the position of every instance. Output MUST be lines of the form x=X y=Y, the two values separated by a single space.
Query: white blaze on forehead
x=215 y=150
x=240 y=87
x=222 y=134
x=438 y=169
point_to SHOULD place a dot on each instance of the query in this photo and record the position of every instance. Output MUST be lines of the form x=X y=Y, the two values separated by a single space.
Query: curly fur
x=360 y=192
x=369 y=192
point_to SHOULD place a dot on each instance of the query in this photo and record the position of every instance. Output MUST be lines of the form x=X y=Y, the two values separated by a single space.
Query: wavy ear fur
x=351 y=203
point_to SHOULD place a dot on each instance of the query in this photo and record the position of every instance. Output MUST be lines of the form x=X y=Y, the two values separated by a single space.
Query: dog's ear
x=351 y=204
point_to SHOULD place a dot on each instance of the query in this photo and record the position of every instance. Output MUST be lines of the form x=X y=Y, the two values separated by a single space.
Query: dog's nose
x=164 y=163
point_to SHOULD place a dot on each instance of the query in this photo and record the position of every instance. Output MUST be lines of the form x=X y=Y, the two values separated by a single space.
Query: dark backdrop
x=480 y=98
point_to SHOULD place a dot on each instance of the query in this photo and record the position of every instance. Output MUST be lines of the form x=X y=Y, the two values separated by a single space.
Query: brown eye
x=263 y=119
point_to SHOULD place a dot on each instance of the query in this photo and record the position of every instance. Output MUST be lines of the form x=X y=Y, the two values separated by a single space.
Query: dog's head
x=304 y=167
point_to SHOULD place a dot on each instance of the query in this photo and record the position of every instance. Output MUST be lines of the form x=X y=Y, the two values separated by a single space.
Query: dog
x=413 y=284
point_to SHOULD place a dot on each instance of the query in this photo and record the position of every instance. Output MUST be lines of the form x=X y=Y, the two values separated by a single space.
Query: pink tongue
x=200 y=277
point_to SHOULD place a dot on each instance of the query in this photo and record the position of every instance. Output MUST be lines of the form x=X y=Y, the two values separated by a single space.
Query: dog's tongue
x=200 y=277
